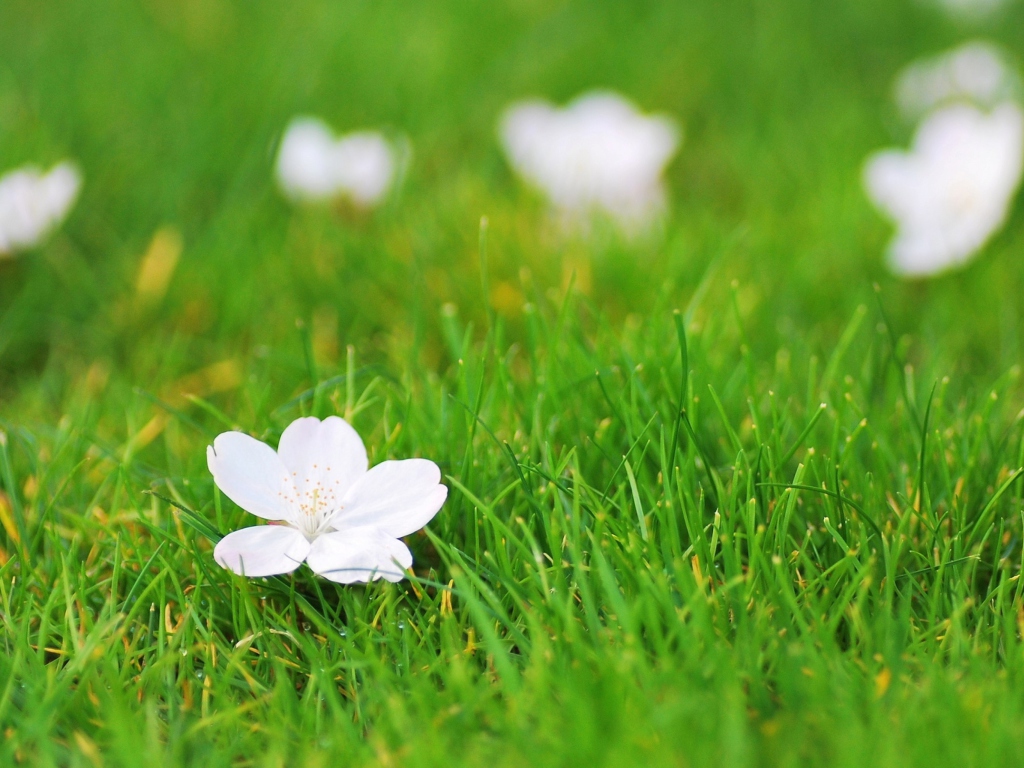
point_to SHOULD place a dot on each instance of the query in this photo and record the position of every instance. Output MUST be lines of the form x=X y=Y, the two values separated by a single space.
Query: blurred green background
x=173 y=111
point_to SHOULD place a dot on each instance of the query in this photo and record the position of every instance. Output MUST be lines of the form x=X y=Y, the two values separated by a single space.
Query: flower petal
x=359 y=554
x=263 y=550
x=323 y=456
x=399 y=497
x=250 y=474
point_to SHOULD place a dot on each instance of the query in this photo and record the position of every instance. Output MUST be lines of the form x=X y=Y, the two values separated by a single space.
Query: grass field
x=817 y=565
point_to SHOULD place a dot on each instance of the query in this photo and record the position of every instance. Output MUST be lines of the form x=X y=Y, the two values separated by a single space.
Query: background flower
x=976 y=72
x=597 y=153
x=32 y=203
x=313 y=165
x=969 y=9
x=952 y=190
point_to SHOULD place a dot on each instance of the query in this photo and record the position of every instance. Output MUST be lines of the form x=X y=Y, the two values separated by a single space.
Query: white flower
x=951 y=192
x=32 y=203
x=975 y=72
x=314 y=166
x=598 y=153
x=342 y=520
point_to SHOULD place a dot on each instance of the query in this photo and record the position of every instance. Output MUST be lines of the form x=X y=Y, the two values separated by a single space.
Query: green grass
x=609 y=583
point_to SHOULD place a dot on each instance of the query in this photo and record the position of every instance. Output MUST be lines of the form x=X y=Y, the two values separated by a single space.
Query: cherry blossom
x=315 y=166
x=33 y=203
x=952 y=191
x=325 y=507
x=599 y=153
x=976 y=72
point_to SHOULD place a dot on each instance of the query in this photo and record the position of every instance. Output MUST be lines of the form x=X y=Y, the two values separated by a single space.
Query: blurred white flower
x=314 y=166
x=951 y=192
x=971 y=8
x=596 y=154
x=33 y=203
x=976 y=72
x=342 y=520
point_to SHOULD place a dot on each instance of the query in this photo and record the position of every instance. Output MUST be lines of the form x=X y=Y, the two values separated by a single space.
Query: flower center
x=315 y=506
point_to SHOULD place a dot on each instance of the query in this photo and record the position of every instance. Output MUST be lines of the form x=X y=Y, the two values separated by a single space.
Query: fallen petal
x=398 y=497
x=263 y=550
x=326 y=456
x=250 y=474
x=360 y=554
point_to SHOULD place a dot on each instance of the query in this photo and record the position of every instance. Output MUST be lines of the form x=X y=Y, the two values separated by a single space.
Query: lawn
x=726 y=494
